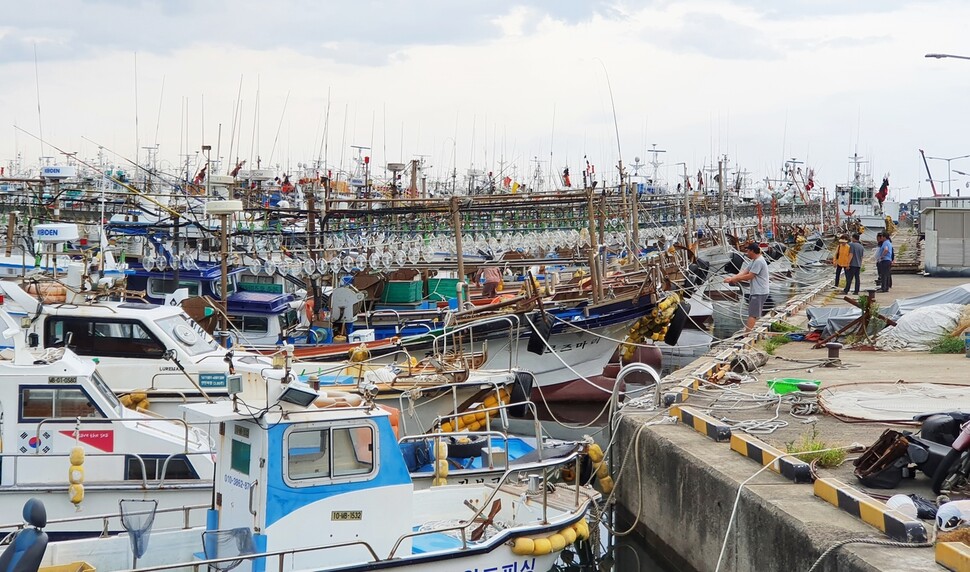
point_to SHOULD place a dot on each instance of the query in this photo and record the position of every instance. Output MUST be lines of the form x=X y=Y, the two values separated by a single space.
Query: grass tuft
x=772 y=343
x=947 y=344
x=811 y=443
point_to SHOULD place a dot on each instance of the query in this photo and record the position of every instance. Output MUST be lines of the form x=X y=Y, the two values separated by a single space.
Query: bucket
x=789 y=385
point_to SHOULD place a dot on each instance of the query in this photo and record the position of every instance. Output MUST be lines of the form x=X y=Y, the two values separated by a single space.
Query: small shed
x=946 y=250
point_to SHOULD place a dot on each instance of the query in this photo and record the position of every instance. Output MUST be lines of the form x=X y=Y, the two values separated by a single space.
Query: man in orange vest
x=841 y=259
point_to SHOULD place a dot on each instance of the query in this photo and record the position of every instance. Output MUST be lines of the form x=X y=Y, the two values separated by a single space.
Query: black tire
x=677 y=323
x=944 y=468
x=468 y=450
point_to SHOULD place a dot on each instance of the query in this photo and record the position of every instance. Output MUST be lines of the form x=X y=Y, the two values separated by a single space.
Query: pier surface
x=680 y=482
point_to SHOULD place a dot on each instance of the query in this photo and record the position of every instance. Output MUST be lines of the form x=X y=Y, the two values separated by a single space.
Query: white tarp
x=920 y=328
x=956 y=295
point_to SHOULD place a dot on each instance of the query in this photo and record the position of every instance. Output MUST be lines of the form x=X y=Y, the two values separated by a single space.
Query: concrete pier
x=680 y=482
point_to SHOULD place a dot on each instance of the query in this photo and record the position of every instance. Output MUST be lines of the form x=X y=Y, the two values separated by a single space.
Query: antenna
x=40 y=123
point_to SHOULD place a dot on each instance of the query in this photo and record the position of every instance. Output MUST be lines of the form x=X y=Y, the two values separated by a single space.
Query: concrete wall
x=687 y=488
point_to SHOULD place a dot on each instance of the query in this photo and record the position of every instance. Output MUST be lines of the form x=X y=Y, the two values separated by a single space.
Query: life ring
x=336 y=398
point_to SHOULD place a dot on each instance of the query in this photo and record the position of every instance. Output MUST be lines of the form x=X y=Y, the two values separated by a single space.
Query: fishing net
x=892 y=402
x=137 y=518
x=227 y=544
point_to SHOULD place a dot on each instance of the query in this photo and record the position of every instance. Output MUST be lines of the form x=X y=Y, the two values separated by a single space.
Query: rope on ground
x=874 y=541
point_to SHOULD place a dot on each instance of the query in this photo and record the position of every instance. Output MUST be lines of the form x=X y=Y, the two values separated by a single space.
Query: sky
x=500 y=85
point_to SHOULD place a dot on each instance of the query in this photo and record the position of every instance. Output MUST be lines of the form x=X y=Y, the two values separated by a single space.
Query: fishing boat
x=68 y=439
x=302 y=487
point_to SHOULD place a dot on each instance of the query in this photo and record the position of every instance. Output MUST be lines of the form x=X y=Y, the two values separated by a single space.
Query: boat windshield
x=188 y=335
x=105 y=391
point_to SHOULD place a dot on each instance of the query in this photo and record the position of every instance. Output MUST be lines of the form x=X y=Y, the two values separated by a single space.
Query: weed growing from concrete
x=772 y=343
x=812 y=442
x=947 y=344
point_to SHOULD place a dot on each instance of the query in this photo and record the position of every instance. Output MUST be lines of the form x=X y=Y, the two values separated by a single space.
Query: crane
x=929 y=176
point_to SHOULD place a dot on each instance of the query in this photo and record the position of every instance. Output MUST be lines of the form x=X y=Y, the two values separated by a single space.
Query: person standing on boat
x=855 y=264
x=493 y=277
x=756 y=271
x=842 y=257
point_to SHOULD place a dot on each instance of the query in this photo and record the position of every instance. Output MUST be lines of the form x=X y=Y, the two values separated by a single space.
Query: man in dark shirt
x=856 y=251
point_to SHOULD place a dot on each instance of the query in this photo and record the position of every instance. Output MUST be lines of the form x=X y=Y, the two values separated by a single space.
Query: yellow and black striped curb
x=764 y=454
x=893 y=523
x=702 y=423
x=953 y=556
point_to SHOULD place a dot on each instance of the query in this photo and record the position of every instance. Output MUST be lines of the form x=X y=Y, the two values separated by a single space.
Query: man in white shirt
x=756 y=271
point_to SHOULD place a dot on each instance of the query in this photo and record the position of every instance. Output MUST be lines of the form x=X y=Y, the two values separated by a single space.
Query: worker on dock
x=857 y=251
x=756 y=271
x=884 y=261
x=841 y=259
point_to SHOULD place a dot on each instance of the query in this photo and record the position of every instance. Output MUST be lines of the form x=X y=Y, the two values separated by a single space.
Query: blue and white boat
x=303 y=487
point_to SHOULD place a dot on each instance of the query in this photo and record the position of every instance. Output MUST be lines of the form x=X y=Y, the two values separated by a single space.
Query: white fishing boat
x=300 y=487
x=68 y=439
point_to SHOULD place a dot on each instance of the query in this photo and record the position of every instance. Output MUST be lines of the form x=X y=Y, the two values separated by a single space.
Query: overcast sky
x=473 y=83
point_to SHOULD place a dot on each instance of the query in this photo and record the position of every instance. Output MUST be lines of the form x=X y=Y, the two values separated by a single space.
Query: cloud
x=715 y=36
x=363 y=32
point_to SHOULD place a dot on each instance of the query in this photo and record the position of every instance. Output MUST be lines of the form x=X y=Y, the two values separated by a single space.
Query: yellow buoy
x=595 y=453
x=558 y=542
x=523 y=546
x=76 y=493
x=439 y=482
x=446 y=427
x=75 y=475
x=602 y=470
x=541 y=546
x=569 y=533
x=441 y=466
x=77 y=455
x=582 y=530
x=607 y=485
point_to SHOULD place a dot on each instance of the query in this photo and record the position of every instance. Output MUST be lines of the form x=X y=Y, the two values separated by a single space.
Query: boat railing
x=544 y=466
x=144 y=481
x=511 y=321
x=502 y=409
x=338 y=367
x=280 y=556
x=107 y=518
x=451 y=388
x=437 y=437
x=147 y=421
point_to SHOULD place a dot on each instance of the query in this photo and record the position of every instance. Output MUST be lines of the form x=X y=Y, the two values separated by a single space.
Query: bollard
x=833 y=359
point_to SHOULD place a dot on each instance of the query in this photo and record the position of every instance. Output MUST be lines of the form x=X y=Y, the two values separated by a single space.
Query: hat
x=753 y=248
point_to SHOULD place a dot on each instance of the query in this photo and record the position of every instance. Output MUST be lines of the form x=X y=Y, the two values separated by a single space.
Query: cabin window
x=240 y=455
x=289 y=319
x=47 y=402
x=102 y=337
x=252 y=324
x=329 y=453
x=160 y=287
x=155 y=467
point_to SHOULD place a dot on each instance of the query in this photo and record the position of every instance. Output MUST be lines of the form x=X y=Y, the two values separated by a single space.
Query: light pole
x=949 y=180
x=944 y=56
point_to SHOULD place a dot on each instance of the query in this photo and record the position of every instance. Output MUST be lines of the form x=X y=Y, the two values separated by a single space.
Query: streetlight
x=949 y=181
x=943 y=56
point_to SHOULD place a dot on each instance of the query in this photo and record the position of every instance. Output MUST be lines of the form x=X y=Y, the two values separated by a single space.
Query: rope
x=873 y=541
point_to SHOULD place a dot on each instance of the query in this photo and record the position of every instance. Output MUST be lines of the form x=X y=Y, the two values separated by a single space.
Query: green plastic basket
x=789 y=384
